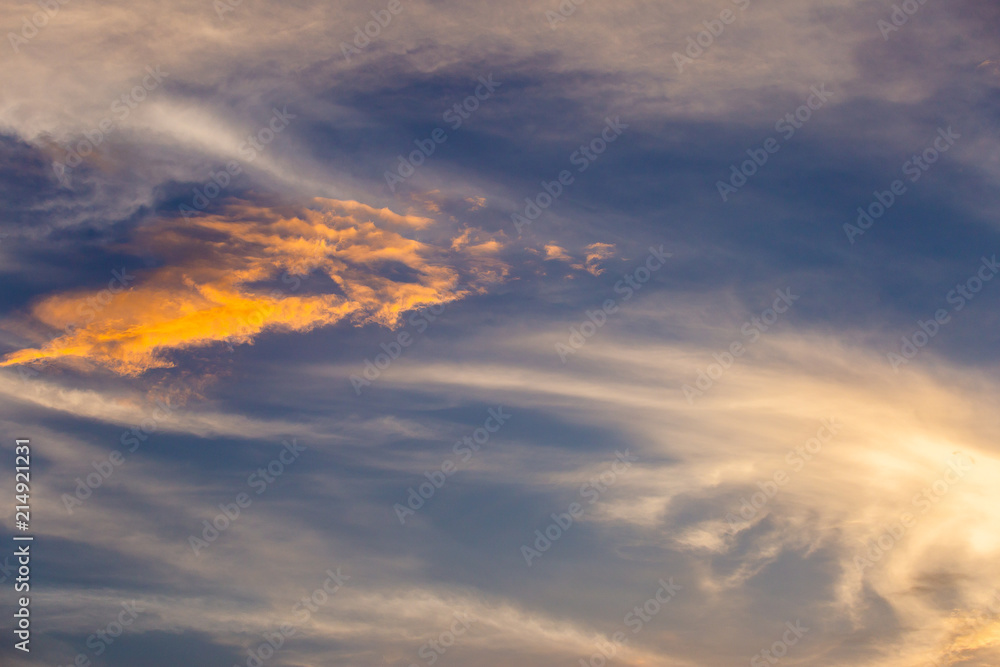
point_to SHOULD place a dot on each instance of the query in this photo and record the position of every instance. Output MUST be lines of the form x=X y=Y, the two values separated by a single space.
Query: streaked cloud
x=249 y=318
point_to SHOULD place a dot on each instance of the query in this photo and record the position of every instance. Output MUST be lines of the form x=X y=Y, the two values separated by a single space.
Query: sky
x=536 y=333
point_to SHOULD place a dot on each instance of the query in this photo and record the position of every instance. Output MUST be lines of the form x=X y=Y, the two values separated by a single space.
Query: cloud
x=250 y=269
x=596 y=253
x=427 y=200
x=552 y=251
x=973 y=638
x=209 y=290
x=900 y=436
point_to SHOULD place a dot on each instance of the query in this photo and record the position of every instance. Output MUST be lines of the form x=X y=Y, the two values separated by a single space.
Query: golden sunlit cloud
x=428 y=200
x=207 y=292
x=596 y=253
x=973 y=635
x=552 y=251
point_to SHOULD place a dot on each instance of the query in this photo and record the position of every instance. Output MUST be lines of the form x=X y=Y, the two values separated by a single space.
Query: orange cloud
x=552 y=251
x=429 y=200
x=207 y=292
x=596 y=253
x=973 y=636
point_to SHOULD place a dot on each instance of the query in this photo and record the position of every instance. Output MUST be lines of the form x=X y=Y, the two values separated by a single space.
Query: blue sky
x=502 y=325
